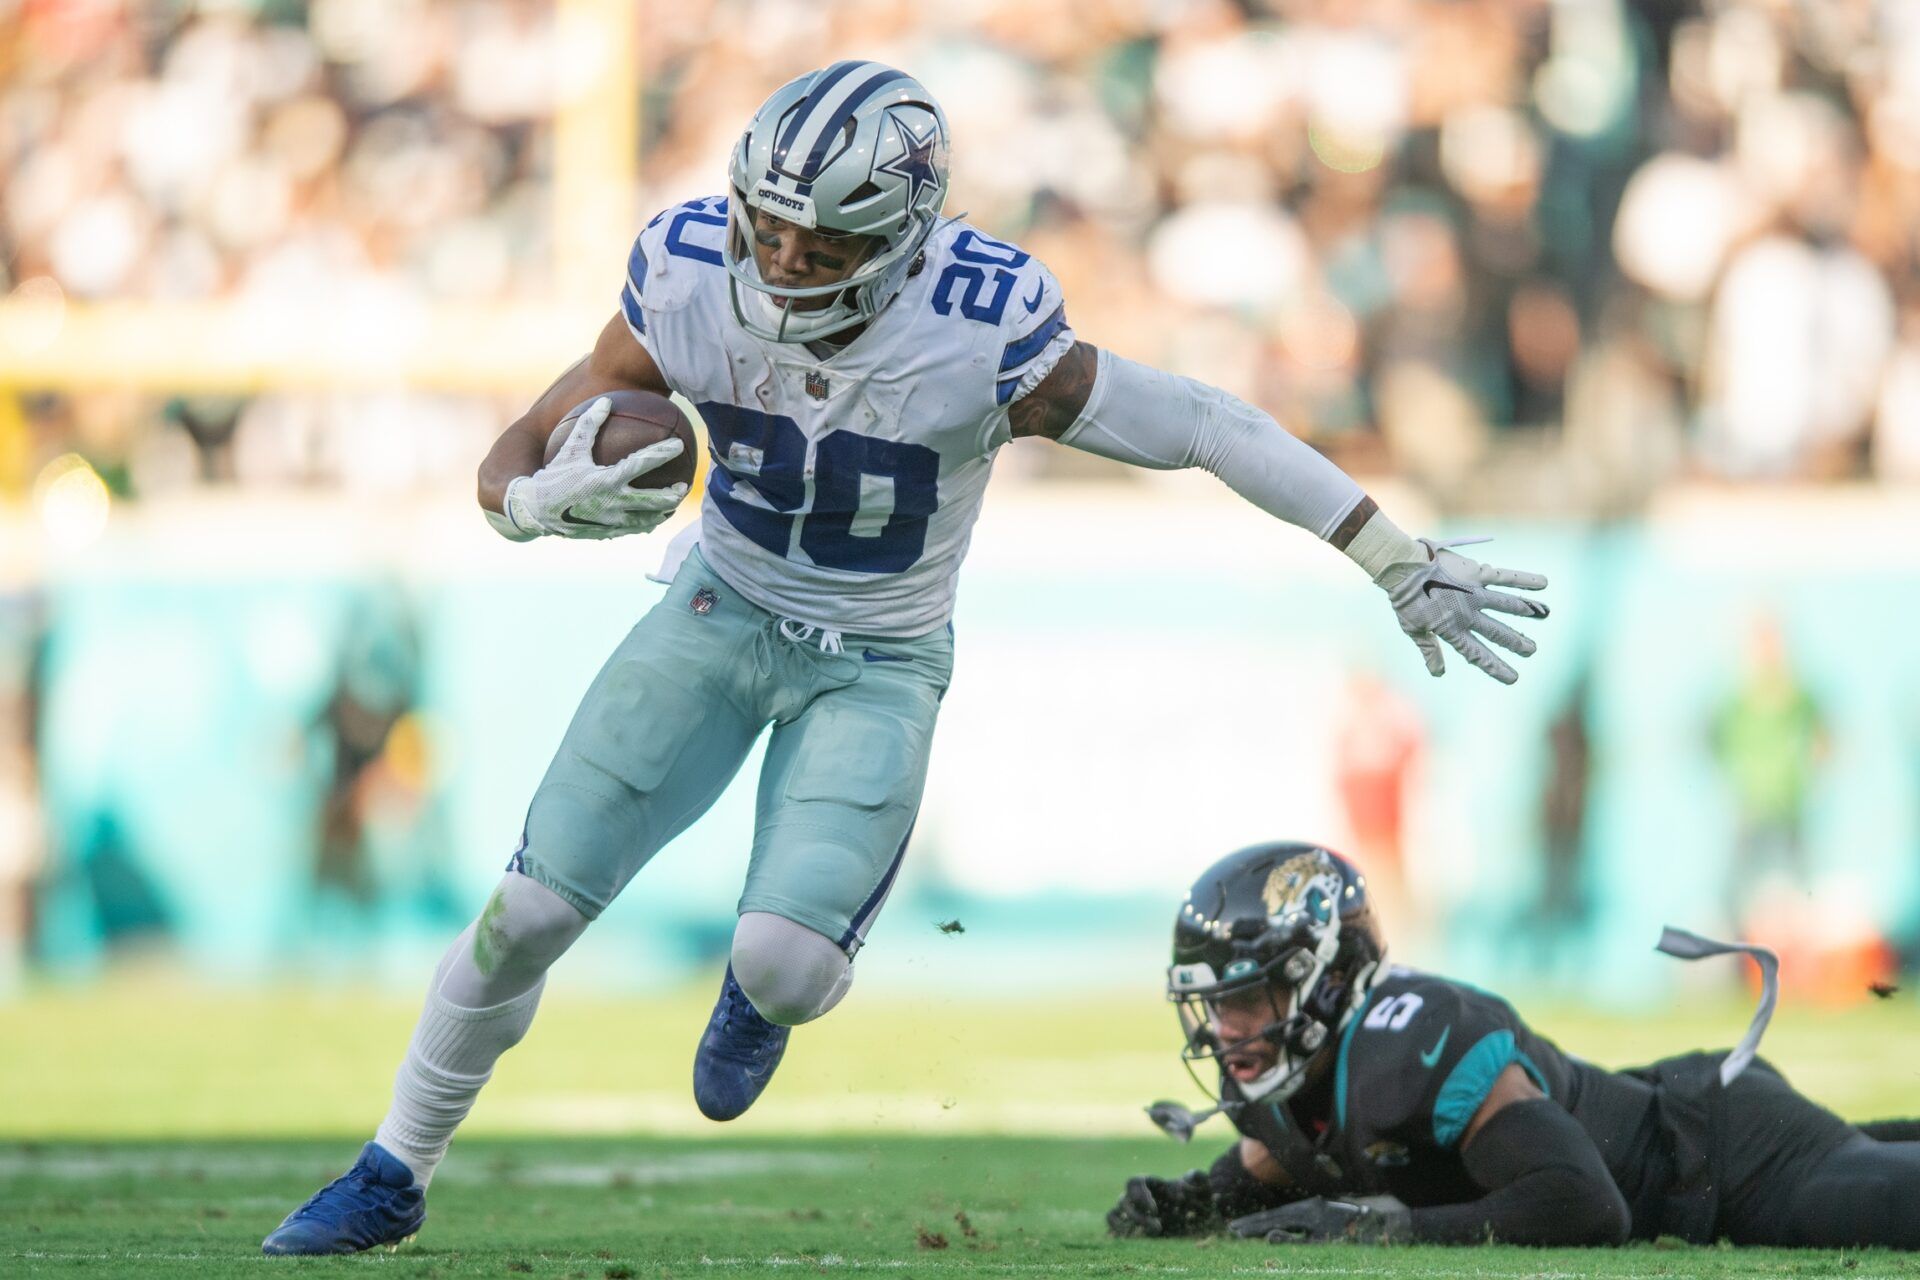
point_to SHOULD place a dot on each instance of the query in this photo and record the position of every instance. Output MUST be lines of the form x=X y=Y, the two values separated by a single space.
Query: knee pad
x=524 y=928
x=790 y=973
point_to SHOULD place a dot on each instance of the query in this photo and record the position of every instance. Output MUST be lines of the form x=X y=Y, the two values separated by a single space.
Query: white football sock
x=479 y=1005
x=450 y=1058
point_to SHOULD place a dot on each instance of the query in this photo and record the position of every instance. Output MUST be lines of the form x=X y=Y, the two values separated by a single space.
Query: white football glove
x=1445 y=597
x=573 y=497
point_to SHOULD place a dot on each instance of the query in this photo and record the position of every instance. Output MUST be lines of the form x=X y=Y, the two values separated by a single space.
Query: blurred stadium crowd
x=1533 y=256
x=1605 y=244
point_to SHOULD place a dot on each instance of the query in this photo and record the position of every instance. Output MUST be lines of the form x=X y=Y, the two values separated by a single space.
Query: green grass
x=612 y=1208
x=156 y=1129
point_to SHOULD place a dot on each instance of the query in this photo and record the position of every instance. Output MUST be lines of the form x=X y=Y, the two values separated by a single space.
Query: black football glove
x=1369 y=1220
x=1159 y=1207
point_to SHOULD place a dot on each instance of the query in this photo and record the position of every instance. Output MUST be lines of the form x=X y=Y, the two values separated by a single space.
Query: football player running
x=858 y=360
x=1379 y=1104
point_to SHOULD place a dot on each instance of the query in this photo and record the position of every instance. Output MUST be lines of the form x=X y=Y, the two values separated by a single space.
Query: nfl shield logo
x=817 y=385
x=703 y=601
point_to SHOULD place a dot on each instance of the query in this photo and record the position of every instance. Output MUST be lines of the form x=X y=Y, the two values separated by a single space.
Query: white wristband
x=1379 y=543
x=505 y=525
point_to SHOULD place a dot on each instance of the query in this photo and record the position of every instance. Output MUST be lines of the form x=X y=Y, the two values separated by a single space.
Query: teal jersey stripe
x=1472 y=1079
x=1340 y=1062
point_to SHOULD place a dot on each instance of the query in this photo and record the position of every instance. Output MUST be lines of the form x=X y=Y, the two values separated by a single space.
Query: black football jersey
x=1411 y=1069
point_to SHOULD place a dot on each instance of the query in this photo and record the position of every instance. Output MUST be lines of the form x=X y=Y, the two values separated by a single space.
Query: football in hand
x=639 y=418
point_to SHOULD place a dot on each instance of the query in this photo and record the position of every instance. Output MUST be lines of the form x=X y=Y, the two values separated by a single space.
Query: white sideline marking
x=692 y=1166
x=666 y=1113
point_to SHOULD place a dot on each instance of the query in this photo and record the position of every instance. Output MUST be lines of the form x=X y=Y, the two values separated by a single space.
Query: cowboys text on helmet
x=855 y=149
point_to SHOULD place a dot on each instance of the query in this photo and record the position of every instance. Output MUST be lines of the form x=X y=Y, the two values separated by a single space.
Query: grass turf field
x=594 y=1208
x=160 y=1130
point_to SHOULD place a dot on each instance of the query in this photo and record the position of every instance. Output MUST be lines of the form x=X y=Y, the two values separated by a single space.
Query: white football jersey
x=843 y=491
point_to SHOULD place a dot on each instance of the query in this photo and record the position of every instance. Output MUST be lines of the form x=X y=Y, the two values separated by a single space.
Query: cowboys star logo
x=915 y=161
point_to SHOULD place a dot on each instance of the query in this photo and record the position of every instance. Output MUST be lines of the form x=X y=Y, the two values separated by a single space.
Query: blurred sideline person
x=1769 y=739
x=1377 y=749
x=1381 y=1104
x=858 y=360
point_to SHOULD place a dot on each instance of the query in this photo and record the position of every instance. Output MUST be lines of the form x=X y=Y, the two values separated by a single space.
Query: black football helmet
x=1294 y=918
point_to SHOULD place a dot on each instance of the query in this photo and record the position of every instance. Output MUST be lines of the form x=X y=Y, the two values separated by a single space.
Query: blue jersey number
x=708 y=213
x=974 y=256
x=770 y=451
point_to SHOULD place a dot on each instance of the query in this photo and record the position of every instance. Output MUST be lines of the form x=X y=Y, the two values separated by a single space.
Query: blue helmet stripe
x=853 y=102
x=810 y=106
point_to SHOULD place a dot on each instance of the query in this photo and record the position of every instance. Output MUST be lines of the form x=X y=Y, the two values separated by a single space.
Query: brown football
x=639 y=418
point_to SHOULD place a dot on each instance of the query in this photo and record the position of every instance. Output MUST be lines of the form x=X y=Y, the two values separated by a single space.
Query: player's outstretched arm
x=1545 y=1184
x=616 y=363
x=1545 y=1180
x=1096 y=401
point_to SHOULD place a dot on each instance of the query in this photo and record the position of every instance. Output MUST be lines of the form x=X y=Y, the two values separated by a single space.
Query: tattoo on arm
x=1363 y=510
x=1053 y=406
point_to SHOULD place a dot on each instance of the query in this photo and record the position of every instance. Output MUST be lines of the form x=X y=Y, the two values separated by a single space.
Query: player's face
x=1238 y=1019
x=796 y=257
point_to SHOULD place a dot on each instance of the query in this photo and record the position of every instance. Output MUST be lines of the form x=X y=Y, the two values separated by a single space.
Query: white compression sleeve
x=480 y=1004
x=1149 y=418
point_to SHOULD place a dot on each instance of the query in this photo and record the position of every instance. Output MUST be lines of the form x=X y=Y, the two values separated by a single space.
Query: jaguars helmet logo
x=1288 y=882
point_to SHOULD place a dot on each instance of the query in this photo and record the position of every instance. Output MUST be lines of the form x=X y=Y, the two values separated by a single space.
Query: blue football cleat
x=737 y=1054
x=373 y=1203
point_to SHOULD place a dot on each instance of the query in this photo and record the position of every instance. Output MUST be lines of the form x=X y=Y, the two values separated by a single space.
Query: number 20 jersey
x=843 y=490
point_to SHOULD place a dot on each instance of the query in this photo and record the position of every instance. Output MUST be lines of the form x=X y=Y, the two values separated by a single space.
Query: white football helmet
x=858 y=148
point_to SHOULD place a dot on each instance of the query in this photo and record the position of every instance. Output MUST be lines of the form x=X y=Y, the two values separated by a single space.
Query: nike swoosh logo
x=871 y=656
x=1033 y=304
x=1431 y=1056
x=567 y=517
x=1432 y=585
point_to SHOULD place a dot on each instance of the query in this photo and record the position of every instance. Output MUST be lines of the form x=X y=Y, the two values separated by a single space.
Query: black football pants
x=1863 y=1192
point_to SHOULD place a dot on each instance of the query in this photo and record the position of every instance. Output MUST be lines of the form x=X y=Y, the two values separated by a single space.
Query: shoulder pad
x=1421 y=1056
x=672 y=257
x=1007 y=294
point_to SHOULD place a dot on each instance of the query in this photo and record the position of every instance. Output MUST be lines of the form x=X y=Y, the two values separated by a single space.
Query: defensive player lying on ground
x=1383 y=1104
x=858 y=360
